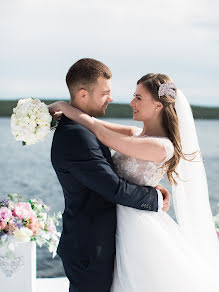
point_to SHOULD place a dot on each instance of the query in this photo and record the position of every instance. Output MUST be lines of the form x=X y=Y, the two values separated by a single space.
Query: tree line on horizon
x=118 y=110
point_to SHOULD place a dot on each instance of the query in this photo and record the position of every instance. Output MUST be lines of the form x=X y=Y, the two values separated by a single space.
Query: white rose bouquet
x=31 y=121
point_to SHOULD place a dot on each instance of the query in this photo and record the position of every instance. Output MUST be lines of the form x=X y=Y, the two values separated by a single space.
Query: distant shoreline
x=117 y=110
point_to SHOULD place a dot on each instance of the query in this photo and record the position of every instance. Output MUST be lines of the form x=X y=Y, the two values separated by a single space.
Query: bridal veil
x=190 y=195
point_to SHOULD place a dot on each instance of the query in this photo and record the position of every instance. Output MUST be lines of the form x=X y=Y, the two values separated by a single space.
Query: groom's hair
x=84 y=74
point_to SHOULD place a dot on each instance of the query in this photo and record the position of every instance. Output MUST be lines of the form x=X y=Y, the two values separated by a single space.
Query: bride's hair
x=152 y=82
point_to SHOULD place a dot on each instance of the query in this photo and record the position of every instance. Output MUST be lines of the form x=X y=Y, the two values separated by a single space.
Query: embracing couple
x=116 y=233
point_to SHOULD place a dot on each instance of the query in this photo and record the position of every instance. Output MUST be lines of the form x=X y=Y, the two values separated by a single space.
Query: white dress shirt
x=160 y=200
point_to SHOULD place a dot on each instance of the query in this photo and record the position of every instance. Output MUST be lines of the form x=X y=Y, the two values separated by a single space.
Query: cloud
x=42 y=39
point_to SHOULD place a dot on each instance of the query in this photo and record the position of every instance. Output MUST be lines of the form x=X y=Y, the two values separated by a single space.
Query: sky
x=41 y=39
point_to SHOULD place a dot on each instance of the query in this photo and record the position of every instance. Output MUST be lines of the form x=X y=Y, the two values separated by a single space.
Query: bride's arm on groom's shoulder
x=141 y=148
x=149 y=148
x=69 y=112
x=122 y=129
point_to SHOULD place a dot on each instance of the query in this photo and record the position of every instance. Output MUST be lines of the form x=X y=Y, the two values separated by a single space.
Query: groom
x=90 y=185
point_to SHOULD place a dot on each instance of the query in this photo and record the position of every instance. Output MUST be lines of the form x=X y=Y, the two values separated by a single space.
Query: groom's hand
x=166 y=197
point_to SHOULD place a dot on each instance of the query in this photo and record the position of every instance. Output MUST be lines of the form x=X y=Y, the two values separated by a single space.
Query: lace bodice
x=143 y=172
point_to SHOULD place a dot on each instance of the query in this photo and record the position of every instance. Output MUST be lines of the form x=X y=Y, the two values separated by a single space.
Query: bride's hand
x=55 y=106
x=61 y=107
x=55 y=109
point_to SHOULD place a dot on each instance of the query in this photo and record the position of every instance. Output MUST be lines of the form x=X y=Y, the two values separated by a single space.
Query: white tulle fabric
x=190 y=196
x=153 y=252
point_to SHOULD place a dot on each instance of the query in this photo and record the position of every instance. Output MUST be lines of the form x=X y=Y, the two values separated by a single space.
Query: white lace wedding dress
x=151 y=253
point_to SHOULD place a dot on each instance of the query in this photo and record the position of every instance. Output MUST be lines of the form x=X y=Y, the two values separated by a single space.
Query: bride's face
x=143 y=104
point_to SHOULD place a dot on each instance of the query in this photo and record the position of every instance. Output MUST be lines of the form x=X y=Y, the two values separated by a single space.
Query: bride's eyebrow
x=137 y=95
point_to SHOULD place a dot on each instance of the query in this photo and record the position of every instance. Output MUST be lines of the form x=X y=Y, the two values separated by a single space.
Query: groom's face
x=99 y=97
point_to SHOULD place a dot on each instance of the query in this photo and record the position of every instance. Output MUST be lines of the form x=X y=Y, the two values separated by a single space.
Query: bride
x=153 y=252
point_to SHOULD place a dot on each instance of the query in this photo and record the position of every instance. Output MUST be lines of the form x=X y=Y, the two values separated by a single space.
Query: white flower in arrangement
x=23 y=234
x=30 y=121
x=44 y=216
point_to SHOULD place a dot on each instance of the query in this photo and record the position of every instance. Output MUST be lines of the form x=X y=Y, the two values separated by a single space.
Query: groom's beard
x=98 y=113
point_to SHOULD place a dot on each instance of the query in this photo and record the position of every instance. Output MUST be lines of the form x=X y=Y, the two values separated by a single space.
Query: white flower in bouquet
x=30 y=121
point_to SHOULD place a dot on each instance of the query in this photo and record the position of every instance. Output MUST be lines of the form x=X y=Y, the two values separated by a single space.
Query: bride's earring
x=156 y=109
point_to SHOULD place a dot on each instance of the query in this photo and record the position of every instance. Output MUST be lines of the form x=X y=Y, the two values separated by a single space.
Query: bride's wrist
x=64 y=107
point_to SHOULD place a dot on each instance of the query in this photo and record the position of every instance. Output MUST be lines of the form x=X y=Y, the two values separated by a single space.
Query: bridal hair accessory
x=167 y=88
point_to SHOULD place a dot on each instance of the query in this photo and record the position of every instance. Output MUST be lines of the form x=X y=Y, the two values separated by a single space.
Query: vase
x=18 y=273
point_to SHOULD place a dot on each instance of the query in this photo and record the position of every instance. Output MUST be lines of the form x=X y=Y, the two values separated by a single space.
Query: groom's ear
x=82 y=95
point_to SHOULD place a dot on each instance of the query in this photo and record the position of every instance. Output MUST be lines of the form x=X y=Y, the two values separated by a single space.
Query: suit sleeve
x=90 y=168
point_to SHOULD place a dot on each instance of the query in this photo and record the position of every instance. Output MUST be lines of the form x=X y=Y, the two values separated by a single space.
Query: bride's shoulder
x=168 y=145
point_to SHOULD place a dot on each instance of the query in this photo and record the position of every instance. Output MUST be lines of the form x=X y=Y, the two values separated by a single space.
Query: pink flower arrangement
x=28 y=221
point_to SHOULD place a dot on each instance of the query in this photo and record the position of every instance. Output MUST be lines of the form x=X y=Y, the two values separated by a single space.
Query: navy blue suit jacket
x=91 y=190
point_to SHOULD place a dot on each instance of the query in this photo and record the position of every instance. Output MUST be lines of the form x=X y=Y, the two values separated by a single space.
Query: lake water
x=28 y=171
